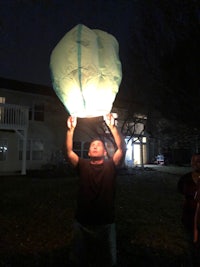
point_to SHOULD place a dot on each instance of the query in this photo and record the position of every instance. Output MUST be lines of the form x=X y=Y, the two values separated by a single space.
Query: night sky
x=158 y=40
x=31 y=29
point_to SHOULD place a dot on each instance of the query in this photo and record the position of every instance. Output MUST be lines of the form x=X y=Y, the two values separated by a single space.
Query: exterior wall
x=51 y=131
x=11 y=163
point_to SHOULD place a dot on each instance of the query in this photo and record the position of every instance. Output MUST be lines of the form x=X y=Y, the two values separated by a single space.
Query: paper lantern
x=86 y=71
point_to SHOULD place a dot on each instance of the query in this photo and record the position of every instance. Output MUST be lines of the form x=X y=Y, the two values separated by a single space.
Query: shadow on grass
x=137 y=256
x=55 y=258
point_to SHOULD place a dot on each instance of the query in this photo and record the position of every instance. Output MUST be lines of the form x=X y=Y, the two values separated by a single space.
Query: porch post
x=141 y=153
x=23 y=172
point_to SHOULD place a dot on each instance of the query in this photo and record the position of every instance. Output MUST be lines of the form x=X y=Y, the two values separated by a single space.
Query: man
x=188 y=186
x=94 y=228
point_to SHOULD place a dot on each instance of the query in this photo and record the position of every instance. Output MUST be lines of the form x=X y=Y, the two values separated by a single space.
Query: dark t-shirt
x=188 y=188
x=197 y=198
x=95 y=202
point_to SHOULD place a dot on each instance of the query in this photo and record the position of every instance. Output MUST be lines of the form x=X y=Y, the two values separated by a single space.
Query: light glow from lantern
x=86 y=71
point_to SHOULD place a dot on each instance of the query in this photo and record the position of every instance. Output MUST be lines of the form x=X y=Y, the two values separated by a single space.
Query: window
x=2 y=100
x=3 y=149
x=37 y=149
x=137 y=140
x=34 y=149
x=36 y=112
x=85 y=149
x=81 y=149
x=77 y=148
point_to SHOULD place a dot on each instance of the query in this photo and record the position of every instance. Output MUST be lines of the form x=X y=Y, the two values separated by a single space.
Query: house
x=33 y=127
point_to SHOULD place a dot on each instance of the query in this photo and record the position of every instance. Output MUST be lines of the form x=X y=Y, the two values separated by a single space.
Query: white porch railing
x=13 y=117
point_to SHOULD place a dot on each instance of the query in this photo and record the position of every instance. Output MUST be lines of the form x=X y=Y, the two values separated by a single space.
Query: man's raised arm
x=72 y=156
x=119 y=153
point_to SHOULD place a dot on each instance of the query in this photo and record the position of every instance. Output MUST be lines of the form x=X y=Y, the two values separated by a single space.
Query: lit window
x=137 y=140
x=3 y=149
x=2 y=100
x=144 y=140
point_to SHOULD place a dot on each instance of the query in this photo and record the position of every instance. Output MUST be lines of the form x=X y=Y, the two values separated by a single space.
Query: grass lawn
x=36 y=216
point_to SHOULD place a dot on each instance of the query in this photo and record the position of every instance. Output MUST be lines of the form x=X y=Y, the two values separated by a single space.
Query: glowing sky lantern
x=86 y=71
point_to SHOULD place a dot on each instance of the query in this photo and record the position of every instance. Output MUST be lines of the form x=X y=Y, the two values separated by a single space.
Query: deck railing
x=13 y=117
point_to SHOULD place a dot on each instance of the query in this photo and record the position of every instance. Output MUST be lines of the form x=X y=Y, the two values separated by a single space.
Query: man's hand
x=110 y=120
x=118 y=155
x=71 y=122
x=72 y=156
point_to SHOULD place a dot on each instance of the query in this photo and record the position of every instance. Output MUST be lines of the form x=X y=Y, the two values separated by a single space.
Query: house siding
x=51 y=131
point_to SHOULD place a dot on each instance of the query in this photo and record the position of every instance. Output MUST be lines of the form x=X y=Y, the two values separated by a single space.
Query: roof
x=26 y=87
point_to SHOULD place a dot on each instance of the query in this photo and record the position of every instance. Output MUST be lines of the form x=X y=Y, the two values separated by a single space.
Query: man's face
x=97 y=149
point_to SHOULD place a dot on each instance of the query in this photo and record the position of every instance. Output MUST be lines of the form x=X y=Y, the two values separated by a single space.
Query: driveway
x=173 y=169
